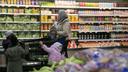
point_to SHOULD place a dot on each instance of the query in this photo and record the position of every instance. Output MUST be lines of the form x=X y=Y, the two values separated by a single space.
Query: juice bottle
x=14 y=1
x=21 y=2
x=32 y=2
x=3 y=10
x=3 y=1
x=18 y=2
x=29 y=2
x=9 y=1
x=26 y=2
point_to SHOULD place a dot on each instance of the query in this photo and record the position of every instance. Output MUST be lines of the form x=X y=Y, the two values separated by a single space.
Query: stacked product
x=91 y=60
x=20 y=2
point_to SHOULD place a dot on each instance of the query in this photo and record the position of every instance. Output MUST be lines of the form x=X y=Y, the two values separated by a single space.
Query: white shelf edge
x=93 y=15
x=44 y=30
x=57 y=14
x=73 y=38
x=74 y=29
x=49 y=30
x=18 y=30
x=16 y=5
x=96 y=22
x=17 y=22
x=79 y=7
x=59 y=6
x=53 y=22
x=18 y=14
x=105 y=31
x=103 y=40
x=28 y=38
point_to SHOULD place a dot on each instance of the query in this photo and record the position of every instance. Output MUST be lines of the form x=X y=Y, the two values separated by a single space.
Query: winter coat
x=62 y=25
x=54 y=52
x=14 y=55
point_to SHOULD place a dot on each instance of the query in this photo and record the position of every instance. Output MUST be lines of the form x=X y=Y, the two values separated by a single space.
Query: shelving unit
x=93 y=26
x=94 y=18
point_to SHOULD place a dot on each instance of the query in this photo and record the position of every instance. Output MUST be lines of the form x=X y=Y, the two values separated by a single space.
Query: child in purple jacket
x=53 y=51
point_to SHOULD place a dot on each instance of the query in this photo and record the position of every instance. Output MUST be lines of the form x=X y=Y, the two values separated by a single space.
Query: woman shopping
x=63 y=30
x=14 y=52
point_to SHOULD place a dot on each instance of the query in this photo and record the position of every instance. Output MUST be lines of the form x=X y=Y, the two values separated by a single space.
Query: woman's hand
x=41 y=43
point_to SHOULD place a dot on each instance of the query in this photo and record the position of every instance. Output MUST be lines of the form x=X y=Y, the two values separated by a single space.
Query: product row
x=119 y=35
x=20 y=2
x=102 y=35
x=98 y=35
x=104 y=12
x=48 y=18
x=62 y=3
x=23 y=34
x=55 y=11
x=47 y=26
x=20 y=10
x=82 y=4
x=102 y=44
x=5 y=18
x=21 y=27
x=106 y=27
x=73 y=34
x=114 y=19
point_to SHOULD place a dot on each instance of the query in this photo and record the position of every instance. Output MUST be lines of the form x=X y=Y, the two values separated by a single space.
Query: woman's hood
x=62 y=15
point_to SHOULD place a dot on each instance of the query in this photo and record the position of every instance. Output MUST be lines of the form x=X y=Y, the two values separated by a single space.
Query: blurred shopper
x=14 y=52
x=63 y=30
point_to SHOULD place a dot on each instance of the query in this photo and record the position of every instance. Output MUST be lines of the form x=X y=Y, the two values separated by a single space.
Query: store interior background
x=70 y=51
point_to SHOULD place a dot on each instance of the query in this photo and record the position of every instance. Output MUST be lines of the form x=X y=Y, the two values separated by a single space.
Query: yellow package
x=3 y=10
x=8 y=1
x=24 y=2
x=3 y=1
x=14 y=1
x=42 y=18
x=29 y=2
x=11 y=1
x=9 y=10
x=46 y=18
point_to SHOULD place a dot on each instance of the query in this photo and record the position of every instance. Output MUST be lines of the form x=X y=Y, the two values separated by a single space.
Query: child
x=53 y=51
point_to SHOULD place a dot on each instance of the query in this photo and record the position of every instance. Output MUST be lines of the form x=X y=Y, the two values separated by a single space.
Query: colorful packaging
x=14 y=1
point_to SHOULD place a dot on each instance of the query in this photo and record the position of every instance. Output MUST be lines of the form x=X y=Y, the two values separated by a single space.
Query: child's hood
x=56 y=45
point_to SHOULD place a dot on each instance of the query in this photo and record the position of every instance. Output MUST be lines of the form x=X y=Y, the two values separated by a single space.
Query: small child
x=53 y=51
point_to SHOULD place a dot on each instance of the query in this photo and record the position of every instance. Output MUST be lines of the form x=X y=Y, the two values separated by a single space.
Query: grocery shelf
x=75 y=7
x=53 y=22
x=65 y=7
x=48 y=30
x=18 y=14
x=123 y=39
x=96 y=22
x=57 y=14
x=74 y=38
x=120 y=22
x=79 y=7
x=20 y=30
x=27 y=38
x=94 y=15
x=19 y=22
x=74 y=30
x=109 y=47
x=104 y=31
x=44 y=30
x=22 y=38
x=31 y=63
x=120 y=8
x=25 y=64
x=14 y=5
